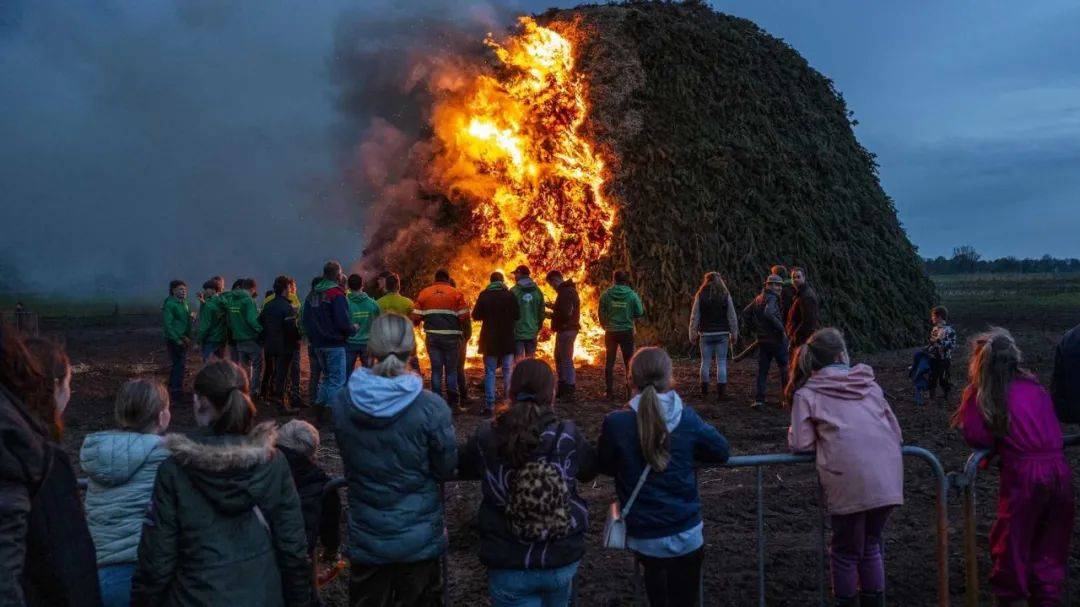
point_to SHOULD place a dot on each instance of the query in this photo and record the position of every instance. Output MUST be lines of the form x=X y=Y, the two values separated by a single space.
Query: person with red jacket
x=444 y=314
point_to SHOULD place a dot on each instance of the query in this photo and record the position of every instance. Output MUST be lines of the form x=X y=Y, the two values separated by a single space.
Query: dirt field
x=107 y=353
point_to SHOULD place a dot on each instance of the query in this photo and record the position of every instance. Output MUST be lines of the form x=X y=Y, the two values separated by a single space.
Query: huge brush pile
x=728 y=152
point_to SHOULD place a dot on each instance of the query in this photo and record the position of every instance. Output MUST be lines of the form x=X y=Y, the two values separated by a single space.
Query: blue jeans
x=332 y=365
x=491 y=363
x=354 y=354
x=524 y=348
x=714 y=345
x=564 y=356
x=443 y=351
x=767 y=353
x=245 y=353
x=314 y=374
x=115 y=581
x=178 y=358
x=531 y=587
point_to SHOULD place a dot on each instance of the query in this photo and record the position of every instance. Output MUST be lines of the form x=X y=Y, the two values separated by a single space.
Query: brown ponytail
x=517 y=422
x=225 y=386
x=823 y=348
x=650 y=370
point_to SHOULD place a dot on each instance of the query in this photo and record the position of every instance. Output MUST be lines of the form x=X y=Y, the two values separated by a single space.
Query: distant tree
x=966 y=258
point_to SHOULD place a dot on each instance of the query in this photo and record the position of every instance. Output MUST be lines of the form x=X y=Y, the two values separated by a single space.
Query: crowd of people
x=235 y=513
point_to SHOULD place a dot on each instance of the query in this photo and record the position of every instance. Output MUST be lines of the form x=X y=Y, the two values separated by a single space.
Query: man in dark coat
x=804 y=317
x=281 y=338
x=763 y=313
x=328 y=326
x=565 y=318
x=1065 y=384
x=497 y=309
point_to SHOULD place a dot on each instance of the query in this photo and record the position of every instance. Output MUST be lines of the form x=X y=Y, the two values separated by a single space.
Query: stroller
x=919 y=372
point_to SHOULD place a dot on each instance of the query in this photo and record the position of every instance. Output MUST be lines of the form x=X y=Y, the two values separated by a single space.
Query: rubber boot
x=454 y=401
x=872 y=599
x=560 y=391
x=704 y=389
x=568 y=395
x=721 y=392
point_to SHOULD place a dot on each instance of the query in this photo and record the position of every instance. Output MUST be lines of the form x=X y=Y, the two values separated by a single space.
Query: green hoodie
x=530 y=309
x=212 y=321
x=176 y=316
x=242 y=316
x=619 y=306
x=362 y=312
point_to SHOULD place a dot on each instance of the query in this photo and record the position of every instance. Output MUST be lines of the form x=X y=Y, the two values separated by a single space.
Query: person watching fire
x=444 y=313
x=530 y=313
x=565 y=318
x=620 y=306
x=327 y=325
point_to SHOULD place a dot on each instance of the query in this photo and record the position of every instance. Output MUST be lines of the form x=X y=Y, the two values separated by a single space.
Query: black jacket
x=763 y=314
x=566 y=312
x=322 y=509
x=787 y=299
x=224 y=527
x=280 y=333
x=1065 y=384
x=804 y=317
x=497 y=309
x=499 y=547
x=46 y=554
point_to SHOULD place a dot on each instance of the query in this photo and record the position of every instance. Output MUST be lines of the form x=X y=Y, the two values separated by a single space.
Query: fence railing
x=965 y=483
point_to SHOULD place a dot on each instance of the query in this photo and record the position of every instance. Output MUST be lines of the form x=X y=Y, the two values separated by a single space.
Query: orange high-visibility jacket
x=443 y=310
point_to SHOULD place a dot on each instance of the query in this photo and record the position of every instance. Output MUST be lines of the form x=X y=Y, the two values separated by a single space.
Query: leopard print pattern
x=537 y=506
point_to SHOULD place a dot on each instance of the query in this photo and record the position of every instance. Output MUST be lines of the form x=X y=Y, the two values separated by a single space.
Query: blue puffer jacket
x=668 y=502
x=397 y=443
x=121 y=467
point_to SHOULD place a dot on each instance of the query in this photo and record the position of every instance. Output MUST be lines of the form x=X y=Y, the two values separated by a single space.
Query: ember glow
x=511 y=151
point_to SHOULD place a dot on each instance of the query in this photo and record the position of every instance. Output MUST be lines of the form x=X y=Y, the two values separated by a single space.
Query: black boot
x=704 y=389
x=721 y=392
x=872 y=599
x=568 y=396
x=847 y=601
x=560 y=391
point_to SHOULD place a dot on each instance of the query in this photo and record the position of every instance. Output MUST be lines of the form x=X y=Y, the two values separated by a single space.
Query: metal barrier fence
x=965 y=483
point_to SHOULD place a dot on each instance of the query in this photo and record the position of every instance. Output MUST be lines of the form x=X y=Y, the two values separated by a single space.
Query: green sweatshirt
x=242 y=316
x=176 y=316
x=212 y=321
x=619 y=307
x=530 y=309
x=362 y=312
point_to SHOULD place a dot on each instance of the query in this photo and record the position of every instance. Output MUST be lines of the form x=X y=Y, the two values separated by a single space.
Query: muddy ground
x=108 y=352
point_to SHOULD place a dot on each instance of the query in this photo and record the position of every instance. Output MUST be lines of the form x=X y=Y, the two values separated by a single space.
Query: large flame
x=511 y=147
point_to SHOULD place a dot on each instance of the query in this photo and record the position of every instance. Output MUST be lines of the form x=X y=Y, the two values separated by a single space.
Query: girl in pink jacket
x=1005 y=409
x=839 y=412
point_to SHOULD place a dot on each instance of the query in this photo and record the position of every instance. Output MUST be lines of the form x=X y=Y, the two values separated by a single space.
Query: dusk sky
x=190 y=138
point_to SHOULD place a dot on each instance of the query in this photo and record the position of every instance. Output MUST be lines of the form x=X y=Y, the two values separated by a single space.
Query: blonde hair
x=823 y=348
x=392 y=342
x=139 y=403
x=650 y=370
x=995 y=363
x=299 y=436
x=224 y=384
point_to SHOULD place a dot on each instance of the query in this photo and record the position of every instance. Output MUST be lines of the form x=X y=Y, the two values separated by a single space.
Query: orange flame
x=511 y=147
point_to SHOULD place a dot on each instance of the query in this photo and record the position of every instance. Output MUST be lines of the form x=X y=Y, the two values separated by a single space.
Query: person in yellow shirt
x=394 y=301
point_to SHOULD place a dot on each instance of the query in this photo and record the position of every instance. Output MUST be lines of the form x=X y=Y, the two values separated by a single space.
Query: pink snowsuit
x=1029 y=541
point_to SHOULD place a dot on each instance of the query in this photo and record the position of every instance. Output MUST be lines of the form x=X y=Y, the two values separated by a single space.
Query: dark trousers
x=353 y=355
x=767 y=353
x=940 y=374
x=857 y=561
x=178 y=359
x=396 y=585
x=443 y=352
x=314 y=374
x=282 y=364
x=269 y=373
x=462 y=381
x=673 y=582
x=613 y=341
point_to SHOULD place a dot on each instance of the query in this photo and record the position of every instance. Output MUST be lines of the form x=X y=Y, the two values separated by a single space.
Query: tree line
x=966 y=260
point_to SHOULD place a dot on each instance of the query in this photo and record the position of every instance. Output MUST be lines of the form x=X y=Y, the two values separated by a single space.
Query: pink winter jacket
x=841 y=414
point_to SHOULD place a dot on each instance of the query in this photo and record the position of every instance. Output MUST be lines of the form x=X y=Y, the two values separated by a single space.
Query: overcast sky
x=193 y=137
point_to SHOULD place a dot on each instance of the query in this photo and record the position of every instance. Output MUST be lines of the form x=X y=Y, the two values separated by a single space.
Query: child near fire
x=1005 y=409
x=939 y=349
x=839 y=412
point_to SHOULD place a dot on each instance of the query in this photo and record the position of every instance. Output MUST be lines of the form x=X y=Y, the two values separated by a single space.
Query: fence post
x=760 y=535
x=942 y=496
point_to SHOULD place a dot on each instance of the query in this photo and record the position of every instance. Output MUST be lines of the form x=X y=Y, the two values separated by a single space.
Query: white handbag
x=615 y=526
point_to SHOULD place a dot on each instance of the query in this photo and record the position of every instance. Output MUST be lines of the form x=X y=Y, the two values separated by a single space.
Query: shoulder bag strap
x=637 y=489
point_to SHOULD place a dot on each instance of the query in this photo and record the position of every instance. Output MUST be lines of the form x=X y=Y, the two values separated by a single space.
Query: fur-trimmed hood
x=232 y=472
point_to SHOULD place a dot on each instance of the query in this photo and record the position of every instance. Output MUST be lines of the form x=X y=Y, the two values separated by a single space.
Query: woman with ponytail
x=531 y=521
x=225 y=525
x=1005 y=409
x=655 y=443
x=840 y=413
x=397 y=444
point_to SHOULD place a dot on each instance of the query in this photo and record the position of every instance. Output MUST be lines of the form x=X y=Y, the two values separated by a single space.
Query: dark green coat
x=224 y=528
